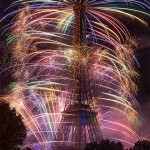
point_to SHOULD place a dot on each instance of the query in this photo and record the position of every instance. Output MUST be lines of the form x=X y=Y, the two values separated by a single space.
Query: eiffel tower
x=79 y=123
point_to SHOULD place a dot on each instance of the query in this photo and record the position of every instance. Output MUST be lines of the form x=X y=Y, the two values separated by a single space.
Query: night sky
x=142 y=54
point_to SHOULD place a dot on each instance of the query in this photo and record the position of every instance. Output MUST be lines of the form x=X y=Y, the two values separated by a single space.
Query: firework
x=41 y=37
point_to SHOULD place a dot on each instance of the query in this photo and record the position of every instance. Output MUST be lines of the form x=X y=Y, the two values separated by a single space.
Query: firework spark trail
x=41 y=37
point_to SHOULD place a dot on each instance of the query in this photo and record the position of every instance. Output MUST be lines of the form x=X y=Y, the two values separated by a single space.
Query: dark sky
x=143 y=56
x=4 y=4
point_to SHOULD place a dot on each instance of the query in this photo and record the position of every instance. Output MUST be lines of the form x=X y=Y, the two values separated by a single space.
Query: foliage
x=111 y=145
x=104 y=145
x=12 y=129
x=142 y=145
x=26 y=148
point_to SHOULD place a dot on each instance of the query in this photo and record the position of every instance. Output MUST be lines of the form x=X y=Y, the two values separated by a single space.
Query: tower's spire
x=79 y=24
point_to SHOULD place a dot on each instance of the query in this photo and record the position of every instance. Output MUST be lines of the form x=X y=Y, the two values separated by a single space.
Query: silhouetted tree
x=12 y=129
x=27 y=148
x=142 y=145
x=104 y=145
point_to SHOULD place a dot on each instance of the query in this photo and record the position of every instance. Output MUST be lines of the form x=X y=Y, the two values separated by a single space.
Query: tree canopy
x=12 y=129
x=141 y=145
x=111 y=145
x=104 y=145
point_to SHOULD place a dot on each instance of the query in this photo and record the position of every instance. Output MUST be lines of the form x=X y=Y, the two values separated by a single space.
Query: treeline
x=111 y=145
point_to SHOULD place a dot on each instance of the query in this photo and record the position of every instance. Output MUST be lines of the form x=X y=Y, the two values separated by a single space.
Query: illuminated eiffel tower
x=79 y=123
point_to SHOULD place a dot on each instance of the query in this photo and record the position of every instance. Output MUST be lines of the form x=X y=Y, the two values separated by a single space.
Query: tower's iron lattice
x=79 y=123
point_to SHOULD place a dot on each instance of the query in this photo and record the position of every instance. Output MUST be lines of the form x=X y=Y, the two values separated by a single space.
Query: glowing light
x=41 y=37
